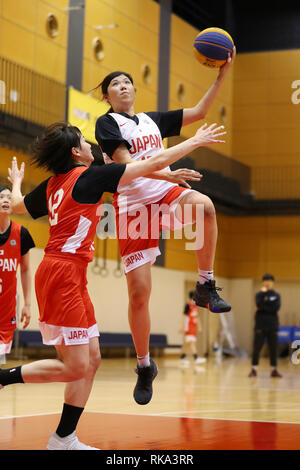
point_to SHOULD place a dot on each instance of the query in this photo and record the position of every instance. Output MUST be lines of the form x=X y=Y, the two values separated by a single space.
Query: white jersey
x=145 y=140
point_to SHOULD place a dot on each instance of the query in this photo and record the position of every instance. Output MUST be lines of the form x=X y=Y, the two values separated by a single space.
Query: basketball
x=211 y=47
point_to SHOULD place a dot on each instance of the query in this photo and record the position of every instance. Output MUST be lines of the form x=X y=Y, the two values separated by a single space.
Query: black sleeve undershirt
x=36 y=201
x=186 y=309
x=96 y=180
x=88 y=188
x=26 y=240
x=108 y=134
x=169 y=123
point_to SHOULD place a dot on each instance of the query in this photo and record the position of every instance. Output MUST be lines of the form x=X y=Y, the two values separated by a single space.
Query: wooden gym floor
x=212 y=406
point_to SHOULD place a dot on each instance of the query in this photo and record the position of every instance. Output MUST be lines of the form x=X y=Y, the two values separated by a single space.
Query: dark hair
x=191 y=294
x=3 y=187
x=53 y=149
x=106 y=81
x=268 y=277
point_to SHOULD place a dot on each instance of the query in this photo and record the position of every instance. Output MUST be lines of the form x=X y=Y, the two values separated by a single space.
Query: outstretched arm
x=206 y=135
x=199 y=111
x=180 y=176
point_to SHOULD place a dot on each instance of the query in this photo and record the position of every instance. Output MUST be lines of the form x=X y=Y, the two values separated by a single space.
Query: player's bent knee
x=78 y=371
x=199 y=199
x=209 y=207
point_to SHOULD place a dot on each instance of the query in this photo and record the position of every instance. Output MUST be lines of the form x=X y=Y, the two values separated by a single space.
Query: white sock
x=254 y=367
x=144 y=361
x=205 y=276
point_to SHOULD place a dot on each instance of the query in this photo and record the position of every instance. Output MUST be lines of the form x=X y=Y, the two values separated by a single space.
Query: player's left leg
x=139 y=289
x=184 y=361
x=78 y=392
x=206 y=292
x=76 y=396
x=272 y=336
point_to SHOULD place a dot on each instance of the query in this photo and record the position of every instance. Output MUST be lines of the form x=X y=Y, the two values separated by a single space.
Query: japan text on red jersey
x=10 y=257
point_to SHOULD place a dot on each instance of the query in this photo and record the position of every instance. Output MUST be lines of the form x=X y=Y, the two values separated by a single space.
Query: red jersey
x=72 y=224
x=10 y=257
x=191 y=319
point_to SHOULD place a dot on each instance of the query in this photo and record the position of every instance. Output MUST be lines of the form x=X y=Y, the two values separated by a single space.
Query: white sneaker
x=200 y=360
x=184 y=363
x=70 y=442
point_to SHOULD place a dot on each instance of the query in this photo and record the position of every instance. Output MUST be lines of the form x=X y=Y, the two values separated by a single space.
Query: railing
x=206 y=158
x=282 y=182
x=277 y=182
x=30 y=95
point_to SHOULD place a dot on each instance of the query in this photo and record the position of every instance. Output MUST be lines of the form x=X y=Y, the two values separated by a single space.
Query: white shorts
x=137 y=259
x=190 y=339
x=139 y=250
x=5 y=348
x=57 y=335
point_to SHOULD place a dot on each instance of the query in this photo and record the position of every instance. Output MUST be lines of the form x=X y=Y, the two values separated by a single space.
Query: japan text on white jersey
x=145 y=140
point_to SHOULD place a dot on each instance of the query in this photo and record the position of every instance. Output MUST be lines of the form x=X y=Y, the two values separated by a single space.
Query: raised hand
x=16 y=174
x=207 y=135
x=182 y=175
x=224 y=68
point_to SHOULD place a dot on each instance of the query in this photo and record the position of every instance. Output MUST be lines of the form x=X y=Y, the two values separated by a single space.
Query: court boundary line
x=262 y=387
x=196 y=417
x=157 y=415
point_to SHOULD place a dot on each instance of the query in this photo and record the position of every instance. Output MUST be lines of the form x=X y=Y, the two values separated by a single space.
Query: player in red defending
x=15 y=243
x=72 y=200
x=191 y=327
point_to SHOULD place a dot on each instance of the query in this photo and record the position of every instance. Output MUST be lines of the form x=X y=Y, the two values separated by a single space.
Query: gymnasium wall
x=24 y=38
x=33 y=175
x=247 y=247
x=266 y=122
x=262 y=125
x=130 y=47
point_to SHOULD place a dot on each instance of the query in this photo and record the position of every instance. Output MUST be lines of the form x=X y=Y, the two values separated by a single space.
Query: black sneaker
x=253 y=373
x=206 y=296
x=275 y=373
x=143 y=389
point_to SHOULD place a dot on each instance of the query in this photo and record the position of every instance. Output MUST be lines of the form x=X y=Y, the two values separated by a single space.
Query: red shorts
x=138 y=230
x=66 y=312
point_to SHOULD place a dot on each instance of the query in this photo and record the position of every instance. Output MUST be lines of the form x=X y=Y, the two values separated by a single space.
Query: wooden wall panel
x=266 y=122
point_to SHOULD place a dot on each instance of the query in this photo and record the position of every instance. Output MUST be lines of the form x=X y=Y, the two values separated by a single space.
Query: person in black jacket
x=268 y=303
